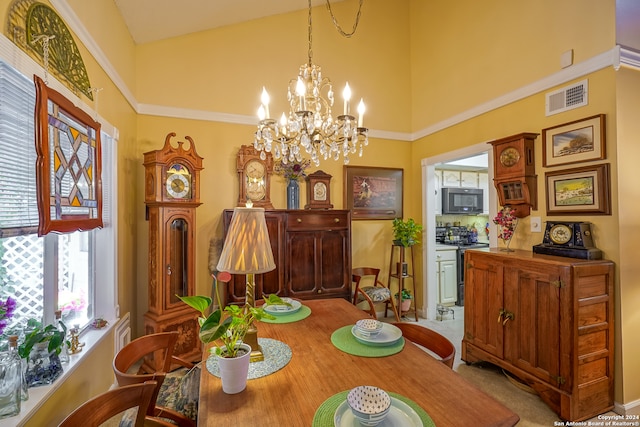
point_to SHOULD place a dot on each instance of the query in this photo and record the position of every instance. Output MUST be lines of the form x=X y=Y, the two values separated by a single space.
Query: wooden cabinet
x=312 y=252
x=546 y=319
x=446 y=274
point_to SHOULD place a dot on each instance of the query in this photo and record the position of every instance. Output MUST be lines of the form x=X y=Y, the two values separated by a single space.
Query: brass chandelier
x=309 y=126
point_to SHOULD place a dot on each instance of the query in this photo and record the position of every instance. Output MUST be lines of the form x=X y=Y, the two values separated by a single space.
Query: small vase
x=293 y=194
x=43 y=367
x=10 y=384
x=234 y=371
x=507 y=248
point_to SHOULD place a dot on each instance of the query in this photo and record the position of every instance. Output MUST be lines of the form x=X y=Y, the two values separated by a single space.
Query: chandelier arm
x=337 y=25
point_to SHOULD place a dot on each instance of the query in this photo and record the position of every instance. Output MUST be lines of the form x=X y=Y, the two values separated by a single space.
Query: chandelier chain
x=337 y=25
x=310 y=28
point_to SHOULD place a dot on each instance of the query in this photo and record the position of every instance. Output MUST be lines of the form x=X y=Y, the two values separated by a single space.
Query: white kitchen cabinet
x=469 y=179
x=447 y=276
x=450 y=178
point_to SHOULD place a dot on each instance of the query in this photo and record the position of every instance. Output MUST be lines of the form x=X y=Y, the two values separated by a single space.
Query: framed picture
x=579 y=141
x=373 y=193
x=584 y=190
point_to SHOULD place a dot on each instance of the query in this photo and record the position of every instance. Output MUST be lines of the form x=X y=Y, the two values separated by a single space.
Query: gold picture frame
x=372 y=192
x=574 y=142
x=579 y=191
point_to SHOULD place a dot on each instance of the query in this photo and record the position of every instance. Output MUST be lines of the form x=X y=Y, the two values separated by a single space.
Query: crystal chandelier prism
x=309 y=126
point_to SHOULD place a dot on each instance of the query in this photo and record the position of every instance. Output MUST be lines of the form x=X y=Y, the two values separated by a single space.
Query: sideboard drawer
x=312 y=220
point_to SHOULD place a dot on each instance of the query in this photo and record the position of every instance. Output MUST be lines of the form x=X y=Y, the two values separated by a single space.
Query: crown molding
x=576 y=71
x=73 y=22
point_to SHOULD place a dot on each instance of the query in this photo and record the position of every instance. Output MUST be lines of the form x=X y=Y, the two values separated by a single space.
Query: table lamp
x=247 y=250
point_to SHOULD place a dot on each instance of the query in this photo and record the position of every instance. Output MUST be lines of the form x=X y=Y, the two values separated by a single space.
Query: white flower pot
x=234 y=371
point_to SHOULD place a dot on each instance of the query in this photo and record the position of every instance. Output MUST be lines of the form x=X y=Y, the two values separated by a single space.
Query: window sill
x=39 y=395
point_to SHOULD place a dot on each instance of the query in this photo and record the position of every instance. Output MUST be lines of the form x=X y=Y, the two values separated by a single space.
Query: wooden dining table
x=318 y=370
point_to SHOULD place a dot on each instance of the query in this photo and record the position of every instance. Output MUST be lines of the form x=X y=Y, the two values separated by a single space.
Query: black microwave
x=462 y=200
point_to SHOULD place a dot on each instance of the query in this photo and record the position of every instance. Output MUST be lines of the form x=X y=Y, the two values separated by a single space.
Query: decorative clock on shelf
x=172 y=194
x=318 y=190
x=254 y=177
x=569 y=239
x=515 y=177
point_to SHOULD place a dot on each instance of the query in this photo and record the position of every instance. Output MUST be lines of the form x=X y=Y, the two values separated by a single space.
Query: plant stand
x=401 y=269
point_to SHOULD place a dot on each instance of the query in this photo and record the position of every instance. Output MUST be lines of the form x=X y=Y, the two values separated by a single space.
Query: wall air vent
x=567 y=98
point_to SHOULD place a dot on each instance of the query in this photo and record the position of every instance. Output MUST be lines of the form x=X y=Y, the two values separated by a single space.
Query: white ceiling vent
x=567 y=98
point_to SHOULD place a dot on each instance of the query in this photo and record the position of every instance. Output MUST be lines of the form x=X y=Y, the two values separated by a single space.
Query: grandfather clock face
x=178 y=183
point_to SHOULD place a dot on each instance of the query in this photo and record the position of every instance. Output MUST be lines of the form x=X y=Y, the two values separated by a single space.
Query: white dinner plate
x=389 y=335
x=281 y=309
x=400 y=415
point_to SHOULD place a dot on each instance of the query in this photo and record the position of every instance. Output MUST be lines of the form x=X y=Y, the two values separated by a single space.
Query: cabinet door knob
x=168 y=270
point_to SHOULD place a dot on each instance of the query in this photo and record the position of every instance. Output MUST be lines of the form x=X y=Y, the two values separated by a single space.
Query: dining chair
x=107 y=405
x=429 y=339
x=377 y=292
x=150 y=357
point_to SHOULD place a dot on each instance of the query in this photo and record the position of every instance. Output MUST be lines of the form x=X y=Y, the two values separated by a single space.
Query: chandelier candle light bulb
x=361 y=110
x=346 y=94
x=264 y=98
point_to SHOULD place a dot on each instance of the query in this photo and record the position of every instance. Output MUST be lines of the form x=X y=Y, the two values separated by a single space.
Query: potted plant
x=406 y=233
x=233 y=355
x=405 y=300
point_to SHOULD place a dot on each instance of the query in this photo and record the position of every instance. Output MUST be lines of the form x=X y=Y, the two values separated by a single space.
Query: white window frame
x=105 y=254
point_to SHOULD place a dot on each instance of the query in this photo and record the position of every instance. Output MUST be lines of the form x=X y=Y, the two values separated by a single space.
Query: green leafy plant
x=407 y=233
x=406 y=294
x=40 y=334
x=230 y=329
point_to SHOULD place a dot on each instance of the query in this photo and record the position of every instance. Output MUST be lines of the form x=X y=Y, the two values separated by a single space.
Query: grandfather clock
x=172 y=194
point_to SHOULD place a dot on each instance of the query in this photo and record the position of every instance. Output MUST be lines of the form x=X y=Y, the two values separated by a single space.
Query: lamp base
x=251 y=338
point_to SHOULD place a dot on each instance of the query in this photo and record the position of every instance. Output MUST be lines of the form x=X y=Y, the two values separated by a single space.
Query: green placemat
x=324 y=414
x=303 y=313
x=344 y=340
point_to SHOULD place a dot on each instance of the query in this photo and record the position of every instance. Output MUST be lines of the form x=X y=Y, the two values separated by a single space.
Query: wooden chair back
x=372 y=273
x=101 y=408
x=131 y=366
x=429 y=339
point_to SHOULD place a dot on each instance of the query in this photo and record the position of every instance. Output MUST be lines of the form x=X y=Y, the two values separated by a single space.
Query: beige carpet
x=532 y=410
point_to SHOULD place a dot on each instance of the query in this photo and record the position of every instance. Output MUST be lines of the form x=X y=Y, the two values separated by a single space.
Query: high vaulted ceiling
x=151 y=20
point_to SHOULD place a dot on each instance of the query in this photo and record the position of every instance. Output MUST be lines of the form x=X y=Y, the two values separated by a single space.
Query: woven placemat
x=344 y=340
x=325 y=413
x=276 y=355
x=303 y=313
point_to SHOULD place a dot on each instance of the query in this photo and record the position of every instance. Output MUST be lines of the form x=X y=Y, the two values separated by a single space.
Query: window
x=55 y=271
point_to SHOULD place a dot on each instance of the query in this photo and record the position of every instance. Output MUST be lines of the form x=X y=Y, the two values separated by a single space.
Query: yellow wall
x=416 y=63
x=628 y=231
x=467 y=55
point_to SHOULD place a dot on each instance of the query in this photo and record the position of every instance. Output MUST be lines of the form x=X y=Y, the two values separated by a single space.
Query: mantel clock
x=172 y=194
x=318 y=191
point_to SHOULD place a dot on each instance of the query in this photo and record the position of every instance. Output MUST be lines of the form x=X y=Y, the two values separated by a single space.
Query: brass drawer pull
x=299 y=220
x=336 y=220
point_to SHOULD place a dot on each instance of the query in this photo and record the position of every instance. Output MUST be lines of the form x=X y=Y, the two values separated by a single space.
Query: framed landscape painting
x=584 y=190
x=579 y=141
x=373 y=193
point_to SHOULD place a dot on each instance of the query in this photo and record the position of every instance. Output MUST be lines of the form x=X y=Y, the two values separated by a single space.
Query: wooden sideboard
x=548 y=320
x=312 y=252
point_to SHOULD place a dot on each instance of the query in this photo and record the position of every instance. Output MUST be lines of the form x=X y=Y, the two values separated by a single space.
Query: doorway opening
x=434 y=220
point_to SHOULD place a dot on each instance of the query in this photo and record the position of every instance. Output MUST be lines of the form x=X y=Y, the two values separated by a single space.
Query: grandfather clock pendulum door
x=172 y=194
